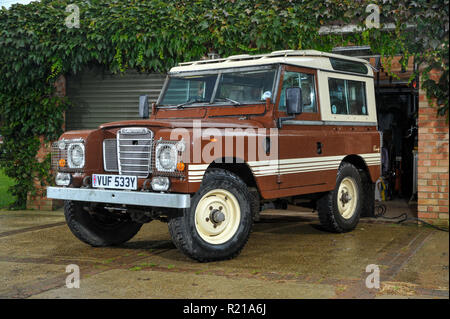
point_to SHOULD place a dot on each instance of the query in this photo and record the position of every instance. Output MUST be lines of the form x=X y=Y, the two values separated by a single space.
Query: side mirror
x=294 y=101
x=143 y=106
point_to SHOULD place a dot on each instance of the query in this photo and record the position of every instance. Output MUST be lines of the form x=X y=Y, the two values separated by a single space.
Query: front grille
x=110 y=155
x=134 y=150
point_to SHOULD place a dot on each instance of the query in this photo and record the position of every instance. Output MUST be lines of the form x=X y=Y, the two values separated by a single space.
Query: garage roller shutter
x=100 y=97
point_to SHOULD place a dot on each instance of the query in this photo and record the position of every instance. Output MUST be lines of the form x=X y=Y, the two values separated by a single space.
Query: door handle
x=319 y=147
x=267 y=145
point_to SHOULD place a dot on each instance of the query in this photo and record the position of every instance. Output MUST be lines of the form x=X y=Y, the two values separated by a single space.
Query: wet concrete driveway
x=287 y=256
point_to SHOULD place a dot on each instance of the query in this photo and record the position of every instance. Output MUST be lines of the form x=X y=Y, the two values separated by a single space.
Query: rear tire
x=95 y=229
x=339 y=210
x=218 y=223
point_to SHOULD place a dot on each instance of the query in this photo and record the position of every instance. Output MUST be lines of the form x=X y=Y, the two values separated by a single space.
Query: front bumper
x=120 y=197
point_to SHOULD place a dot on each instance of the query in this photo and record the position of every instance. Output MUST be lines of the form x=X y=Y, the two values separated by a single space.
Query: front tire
x=339 y=210
x=218 y=223
x=98 y=228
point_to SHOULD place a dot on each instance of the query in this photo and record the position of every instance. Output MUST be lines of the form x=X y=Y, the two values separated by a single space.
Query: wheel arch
x=236 y=166
x=358 y=162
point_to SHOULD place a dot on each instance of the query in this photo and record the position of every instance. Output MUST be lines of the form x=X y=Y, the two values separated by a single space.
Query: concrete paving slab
x=428 y=268
x=16 y=278
x=158 y=284
x=11 y=221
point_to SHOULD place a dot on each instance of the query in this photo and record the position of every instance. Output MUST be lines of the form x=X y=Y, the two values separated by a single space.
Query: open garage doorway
x=397 y=98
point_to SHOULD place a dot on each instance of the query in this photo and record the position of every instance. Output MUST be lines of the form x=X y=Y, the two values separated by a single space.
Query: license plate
x=114 y=181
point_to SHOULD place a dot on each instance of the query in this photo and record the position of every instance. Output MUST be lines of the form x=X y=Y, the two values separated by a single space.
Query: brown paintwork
x=295 y=141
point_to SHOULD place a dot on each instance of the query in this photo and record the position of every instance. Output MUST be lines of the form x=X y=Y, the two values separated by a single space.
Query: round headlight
x=75 y=155
x=166 y=157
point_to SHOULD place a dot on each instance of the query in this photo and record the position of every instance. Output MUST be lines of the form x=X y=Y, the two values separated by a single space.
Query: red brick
x=433 y=208
x=438 y=156
x=433 y=182
x=443 y=209
x=428 y=188
x=421 y=208
x=426 y=110
x=422 y=169
x=425 y=175
x=422 y=182
x=427 y=201
x=427 y=215
x=423 y=195
x=438 y=169
x=443 y=163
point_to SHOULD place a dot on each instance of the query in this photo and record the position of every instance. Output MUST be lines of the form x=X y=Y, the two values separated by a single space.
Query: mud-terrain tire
x=224 y=196
x=339 y=210
x=98 y=233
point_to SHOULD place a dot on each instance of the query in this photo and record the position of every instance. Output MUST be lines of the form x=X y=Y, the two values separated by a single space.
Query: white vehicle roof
x=302 y=58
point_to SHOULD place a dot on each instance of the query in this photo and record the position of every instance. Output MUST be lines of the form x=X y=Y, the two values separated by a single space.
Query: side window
x=347 y=97
x=304 y=81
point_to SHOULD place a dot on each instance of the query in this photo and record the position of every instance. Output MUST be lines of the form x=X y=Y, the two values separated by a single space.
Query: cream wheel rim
x=347 y=197
x=217 y=216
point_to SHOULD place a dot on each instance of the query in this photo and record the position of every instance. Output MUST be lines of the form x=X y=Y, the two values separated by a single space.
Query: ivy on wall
x=36 y=47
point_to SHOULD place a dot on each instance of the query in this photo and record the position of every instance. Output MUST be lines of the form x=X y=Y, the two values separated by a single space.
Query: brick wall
x=40 y=201
x=433 y=163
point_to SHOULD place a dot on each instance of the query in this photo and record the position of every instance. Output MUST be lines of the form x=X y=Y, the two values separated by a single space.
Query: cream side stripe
x=298 y=171
x=296 y=160
x=294 y=166
x=306 y=170
x=196 y=173
x=310 y=159
x=195 y=167
x=289 y=166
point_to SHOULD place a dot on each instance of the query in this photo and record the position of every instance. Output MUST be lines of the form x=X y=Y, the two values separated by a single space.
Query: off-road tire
x=327 y=206
x=183 y=229
x=91 y=231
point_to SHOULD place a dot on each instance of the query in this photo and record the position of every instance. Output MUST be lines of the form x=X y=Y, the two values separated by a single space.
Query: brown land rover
x=226 y=138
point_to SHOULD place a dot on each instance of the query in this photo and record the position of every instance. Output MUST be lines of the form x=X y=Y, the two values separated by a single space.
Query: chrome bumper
x=120 y=197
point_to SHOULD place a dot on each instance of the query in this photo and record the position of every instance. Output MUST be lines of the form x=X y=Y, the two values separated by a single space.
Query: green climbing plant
x=36 y=47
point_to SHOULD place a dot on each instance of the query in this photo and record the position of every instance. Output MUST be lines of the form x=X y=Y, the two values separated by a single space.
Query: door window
x=304 y=81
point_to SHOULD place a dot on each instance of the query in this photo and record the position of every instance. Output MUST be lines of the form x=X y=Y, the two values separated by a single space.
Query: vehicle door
x=301 y=138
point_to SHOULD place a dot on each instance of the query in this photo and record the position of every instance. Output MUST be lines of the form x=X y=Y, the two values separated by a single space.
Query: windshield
x=238 y=87
x=185 y=89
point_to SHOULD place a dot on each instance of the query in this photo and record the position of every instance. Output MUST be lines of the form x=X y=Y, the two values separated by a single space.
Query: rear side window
x=347 y=97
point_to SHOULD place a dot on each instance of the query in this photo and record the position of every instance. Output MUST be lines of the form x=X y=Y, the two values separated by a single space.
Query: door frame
x=304 y=116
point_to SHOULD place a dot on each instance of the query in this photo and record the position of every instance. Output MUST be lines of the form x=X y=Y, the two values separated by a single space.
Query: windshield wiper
x=180 y=106
x=229 y=100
